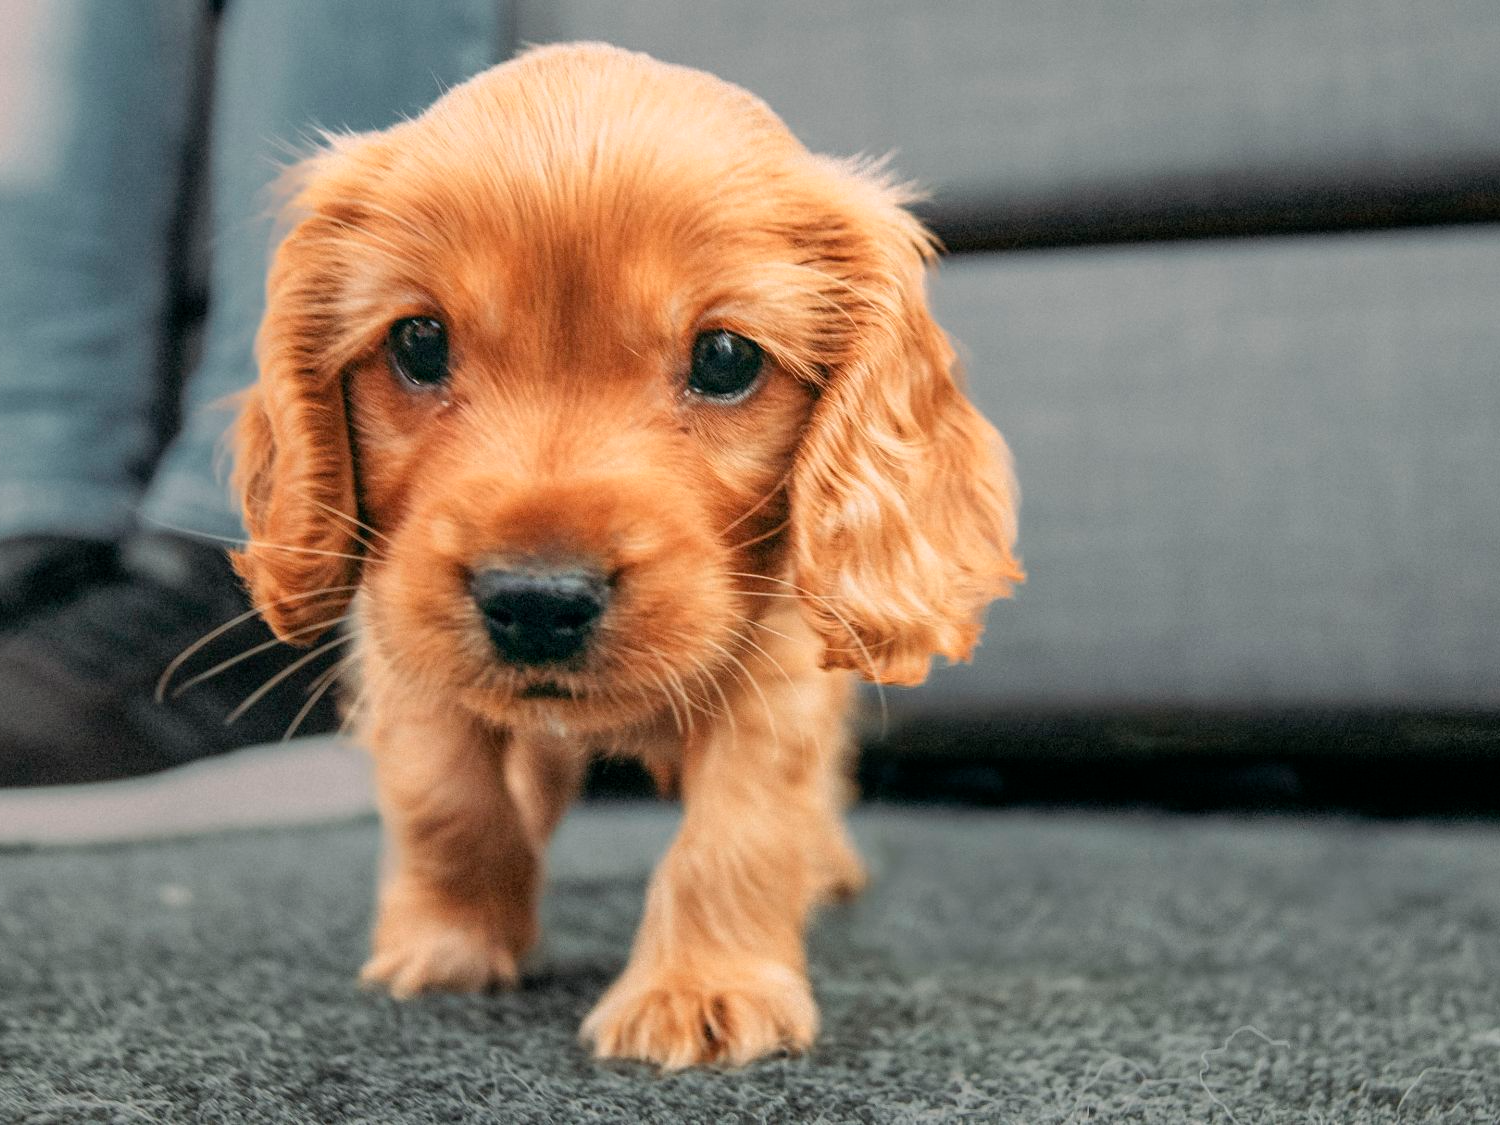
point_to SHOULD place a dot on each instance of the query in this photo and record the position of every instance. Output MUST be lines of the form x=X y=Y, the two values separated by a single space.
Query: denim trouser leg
x=286 y=68
x=95 y=107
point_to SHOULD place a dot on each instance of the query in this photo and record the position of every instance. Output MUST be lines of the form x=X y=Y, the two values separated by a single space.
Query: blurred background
x=1227 y=276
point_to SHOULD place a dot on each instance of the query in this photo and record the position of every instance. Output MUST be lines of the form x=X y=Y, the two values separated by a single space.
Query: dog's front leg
x=458 y=900
x=718 y=972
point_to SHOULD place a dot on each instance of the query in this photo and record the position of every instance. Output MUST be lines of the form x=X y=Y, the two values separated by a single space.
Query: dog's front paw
x=422 y=952
x=679 y=1018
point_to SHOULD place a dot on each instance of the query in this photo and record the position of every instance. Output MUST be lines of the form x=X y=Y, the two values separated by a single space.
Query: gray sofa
x=1227 y=275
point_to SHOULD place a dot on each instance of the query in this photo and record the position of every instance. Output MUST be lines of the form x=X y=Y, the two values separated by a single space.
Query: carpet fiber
x=1005 y=966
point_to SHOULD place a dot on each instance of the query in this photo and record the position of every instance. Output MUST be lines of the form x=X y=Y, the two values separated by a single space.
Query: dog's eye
x=725 y=366
x=418 y=350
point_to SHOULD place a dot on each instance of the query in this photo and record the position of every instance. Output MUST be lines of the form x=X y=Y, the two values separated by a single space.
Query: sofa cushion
x=1037 y=122
x=1256 y=472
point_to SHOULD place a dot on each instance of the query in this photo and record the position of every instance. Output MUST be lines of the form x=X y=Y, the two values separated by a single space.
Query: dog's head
x=604 y=359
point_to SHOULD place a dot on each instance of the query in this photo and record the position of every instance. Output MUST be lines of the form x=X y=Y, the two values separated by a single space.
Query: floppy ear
x=293 y=471
x=903 y=497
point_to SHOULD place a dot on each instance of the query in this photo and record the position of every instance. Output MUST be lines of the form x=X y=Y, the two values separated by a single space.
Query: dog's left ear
x=294 y=471
x=903 y=497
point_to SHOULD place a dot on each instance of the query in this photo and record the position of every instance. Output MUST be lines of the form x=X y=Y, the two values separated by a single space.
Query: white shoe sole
x=304 y=781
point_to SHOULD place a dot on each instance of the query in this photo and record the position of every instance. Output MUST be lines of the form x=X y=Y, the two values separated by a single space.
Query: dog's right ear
x=293 y=471
x=904 y=501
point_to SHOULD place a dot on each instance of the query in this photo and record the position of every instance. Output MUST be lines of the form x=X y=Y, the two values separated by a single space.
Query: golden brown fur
x=575 y=218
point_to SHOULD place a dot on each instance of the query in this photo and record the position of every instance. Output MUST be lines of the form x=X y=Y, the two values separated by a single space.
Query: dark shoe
x=41 y=572
x=78 y=683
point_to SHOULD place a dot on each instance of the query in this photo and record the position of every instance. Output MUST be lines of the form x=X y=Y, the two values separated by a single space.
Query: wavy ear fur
x=903 y=497
x=293 y=470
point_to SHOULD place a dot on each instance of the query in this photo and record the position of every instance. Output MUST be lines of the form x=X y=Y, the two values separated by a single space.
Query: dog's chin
x=569 y=704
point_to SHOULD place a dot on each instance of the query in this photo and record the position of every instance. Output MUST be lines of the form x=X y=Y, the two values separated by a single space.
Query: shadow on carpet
x=1004 y=966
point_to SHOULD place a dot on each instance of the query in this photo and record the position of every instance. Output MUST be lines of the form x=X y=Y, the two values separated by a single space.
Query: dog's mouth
x=547 y=689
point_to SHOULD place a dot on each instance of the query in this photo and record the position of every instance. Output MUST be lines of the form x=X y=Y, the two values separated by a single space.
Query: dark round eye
x=418 y=350
x=725 y=366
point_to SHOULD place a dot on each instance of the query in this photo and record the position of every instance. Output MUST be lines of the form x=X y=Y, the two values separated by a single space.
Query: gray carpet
x=1005 y=966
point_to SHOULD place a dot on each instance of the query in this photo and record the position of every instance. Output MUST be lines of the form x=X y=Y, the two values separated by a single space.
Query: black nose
x=539 y=617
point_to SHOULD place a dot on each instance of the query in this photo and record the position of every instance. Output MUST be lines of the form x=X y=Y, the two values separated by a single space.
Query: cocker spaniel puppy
x=618 y=421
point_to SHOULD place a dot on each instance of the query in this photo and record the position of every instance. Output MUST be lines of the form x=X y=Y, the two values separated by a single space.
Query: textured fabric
x=1010 y=99
x=1002 y=967
x=284 y=69
x=95 y=112
x=1255 y=473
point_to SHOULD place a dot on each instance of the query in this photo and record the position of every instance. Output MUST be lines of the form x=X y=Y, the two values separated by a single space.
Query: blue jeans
x=101 y=124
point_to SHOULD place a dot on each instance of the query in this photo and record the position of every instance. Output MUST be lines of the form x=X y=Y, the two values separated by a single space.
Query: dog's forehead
x=602 y=143
x=611 y=184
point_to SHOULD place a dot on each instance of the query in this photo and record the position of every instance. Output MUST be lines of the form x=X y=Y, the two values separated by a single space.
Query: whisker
x=762 y=537
x=243 y=542
x=759 y=504
x=209 y=637
x=705 y=673
x=770 y=659
x=264 y=546
x=356 y=708
x=260 y=693
x=755 y=684
x=332 y=670
x=666 y=692
x=613 y=697
x=762 y=625
x=675 y=682
x=801 y=591
x=316 y=691
x=699 y=703
x=254 y=650
x=848 y=628
x=358 y=523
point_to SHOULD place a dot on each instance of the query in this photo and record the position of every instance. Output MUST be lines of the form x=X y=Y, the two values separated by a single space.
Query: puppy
x=616 y=420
